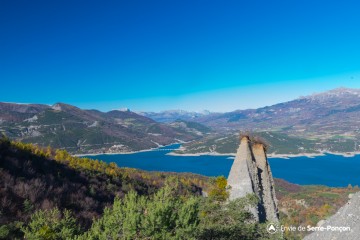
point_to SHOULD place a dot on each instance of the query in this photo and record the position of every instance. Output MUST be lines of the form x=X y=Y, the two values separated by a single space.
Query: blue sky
x=192 y=55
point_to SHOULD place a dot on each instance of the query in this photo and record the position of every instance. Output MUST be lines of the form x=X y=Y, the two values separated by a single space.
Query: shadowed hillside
x=33 y=178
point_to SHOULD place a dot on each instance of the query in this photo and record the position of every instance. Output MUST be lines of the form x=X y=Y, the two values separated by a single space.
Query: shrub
x=164 y=216
x=51 y=224
x=218 y=192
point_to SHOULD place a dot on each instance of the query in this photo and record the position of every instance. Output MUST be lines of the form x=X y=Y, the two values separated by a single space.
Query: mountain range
x=327 y=121
x=173 y=115
x=324 y=114
x=90 y=131
x=322 y=122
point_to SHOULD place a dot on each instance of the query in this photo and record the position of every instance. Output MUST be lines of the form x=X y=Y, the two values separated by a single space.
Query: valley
x=321 y=123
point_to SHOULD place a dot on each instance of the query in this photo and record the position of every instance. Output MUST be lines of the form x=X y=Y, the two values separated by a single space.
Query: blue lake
x=330 y=170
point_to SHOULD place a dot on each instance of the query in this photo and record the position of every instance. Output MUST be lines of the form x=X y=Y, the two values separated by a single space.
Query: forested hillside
x=90 y=131
x=49 y=194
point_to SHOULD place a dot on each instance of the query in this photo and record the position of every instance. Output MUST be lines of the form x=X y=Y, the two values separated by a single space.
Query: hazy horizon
x=96 y=105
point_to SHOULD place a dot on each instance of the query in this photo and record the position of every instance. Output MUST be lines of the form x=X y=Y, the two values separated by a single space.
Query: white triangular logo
x=272 y=228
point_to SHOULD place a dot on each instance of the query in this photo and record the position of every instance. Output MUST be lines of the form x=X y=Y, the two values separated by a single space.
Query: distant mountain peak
x=178 y=111
x=56 y=107
x=124 y=109
x=173 y=115
x=64 y=107
x=340 y=92
x=344 y=90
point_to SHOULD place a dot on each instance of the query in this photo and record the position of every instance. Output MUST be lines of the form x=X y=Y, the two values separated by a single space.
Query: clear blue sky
x=192 y=55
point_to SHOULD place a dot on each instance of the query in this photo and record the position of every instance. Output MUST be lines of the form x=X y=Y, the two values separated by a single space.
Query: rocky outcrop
x=345 y=224
x=243 y=177
x=266 y=183
x=251 y=174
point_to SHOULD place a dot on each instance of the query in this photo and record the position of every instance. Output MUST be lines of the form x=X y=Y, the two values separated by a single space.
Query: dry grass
x=245 y=134
x=261 y=141
x=254 y=139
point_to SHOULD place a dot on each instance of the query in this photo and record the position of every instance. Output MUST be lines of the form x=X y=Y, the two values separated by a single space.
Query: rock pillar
x=251 y=174
x=266 y=183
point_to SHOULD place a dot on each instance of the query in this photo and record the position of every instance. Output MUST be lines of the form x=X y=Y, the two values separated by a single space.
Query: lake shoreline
x=303 y=169
x=270 y=155
x=119 y=153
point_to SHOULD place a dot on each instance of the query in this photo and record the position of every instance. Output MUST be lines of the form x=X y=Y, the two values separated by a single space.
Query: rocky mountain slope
x=324 y=114
x=345 y=224
x=88 y=131
x=324 y=122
